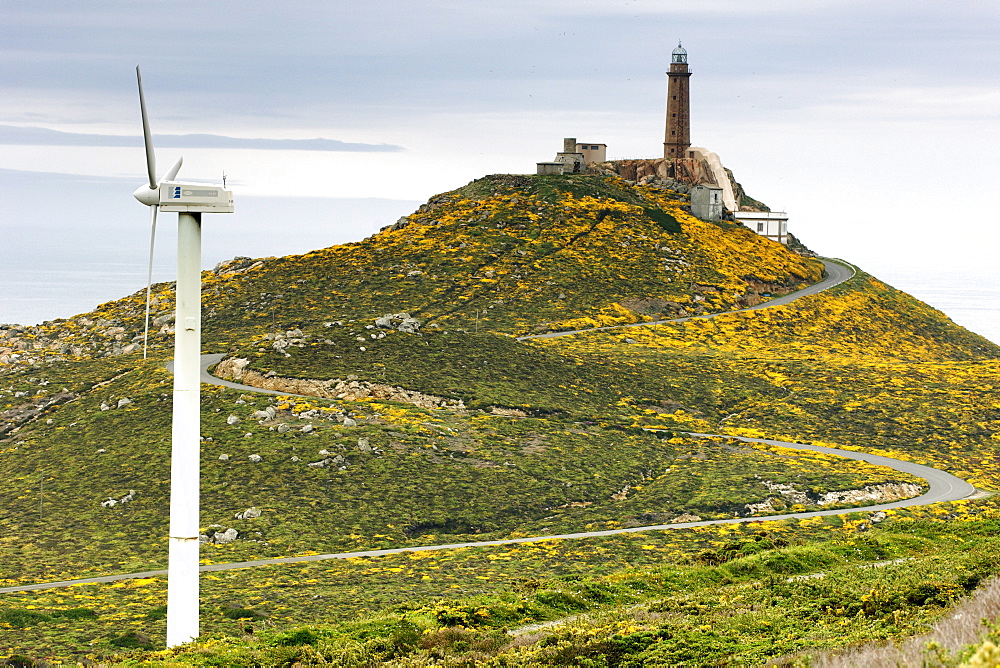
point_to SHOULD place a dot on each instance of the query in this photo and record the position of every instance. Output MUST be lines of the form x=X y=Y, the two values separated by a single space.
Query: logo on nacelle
x=177 y=192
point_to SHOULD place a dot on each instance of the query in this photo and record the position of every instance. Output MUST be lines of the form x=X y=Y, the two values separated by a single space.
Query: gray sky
x=873 y=123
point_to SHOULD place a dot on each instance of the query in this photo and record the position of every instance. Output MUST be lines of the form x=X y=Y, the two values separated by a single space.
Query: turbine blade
x=146 y=134
x=149 y=275
x=169 y=176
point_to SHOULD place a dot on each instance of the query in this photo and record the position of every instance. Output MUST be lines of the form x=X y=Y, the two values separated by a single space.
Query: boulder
x=255 y=458
x=248 y=514
x=403 y=322
x=227 y=536
x=409 y=325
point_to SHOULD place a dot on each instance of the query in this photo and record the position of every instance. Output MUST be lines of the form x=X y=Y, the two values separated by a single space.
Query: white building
x=770 y=224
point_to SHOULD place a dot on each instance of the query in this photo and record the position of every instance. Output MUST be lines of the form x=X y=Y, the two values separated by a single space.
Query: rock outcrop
x=349 y=390
x=680 y=175
x=14 y=417
x=881 y=493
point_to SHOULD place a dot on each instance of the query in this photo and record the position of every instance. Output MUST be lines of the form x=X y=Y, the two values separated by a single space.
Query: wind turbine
x=189 y=201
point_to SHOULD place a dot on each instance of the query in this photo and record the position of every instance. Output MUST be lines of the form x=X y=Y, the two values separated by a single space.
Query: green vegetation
x=558 y=435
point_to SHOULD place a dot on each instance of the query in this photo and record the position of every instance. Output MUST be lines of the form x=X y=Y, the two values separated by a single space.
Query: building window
x=673 y=132
x=760 y=227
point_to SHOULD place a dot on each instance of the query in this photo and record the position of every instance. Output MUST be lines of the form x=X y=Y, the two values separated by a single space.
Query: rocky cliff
x=678 y=175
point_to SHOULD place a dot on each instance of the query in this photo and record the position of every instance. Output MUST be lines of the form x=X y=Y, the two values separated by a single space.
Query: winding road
x=836 y=273
x=942 y=486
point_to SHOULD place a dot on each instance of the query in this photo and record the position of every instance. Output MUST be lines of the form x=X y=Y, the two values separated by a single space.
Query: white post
x=182 y=577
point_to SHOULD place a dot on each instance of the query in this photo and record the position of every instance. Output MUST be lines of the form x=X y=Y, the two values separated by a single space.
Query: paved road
x=206 y=377
x=941 y=486
x=836 y=273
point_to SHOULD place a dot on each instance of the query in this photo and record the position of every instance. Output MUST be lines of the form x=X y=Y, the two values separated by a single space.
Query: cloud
x=10 y=134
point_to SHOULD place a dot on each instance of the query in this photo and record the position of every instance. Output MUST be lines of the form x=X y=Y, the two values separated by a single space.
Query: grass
x=552 y=439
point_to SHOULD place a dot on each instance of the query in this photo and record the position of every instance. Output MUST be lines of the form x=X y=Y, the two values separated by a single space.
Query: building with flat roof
x=593 y=152
x=770 y=224
x=706 y=202
x=574 y=157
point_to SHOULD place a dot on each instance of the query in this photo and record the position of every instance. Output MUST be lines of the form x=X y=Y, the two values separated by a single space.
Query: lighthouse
x=677 y=139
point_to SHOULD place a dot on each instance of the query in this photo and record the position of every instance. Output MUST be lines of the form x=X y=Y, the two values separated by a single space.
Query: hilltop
x=526 y=253
x=430 y=422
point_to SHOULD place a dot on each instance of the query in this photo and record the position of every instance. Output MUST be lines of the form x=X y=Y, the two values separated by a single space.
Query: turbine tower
x=189 y=201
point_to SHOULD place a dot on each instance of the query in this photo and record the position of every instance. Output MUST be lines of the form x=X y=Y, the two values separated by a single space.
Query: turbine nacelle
x=185 y=197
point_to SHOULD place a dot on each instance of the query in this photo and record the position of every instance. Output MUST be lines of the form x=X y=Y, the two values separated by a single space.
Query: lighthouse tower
x=677 y=140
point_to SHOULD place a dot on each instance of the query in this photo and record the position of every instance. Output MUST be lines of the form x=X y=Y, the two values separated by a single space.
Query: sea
x=68 y=243
x=969 y=295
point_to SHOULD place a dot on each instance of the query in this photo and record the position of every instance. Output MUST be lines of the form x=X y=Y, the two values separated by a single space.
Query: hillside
x=432 y=423
x=525 y=253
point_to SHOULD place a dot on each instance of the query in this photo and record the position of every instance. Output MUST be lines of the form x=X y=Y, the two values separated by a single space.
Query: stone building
x=706 y=201
x=574 y=158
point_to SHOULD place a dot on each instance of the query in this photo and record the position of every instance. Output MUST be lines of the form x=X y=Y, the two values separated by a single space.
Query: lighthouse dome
x=679 y=55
